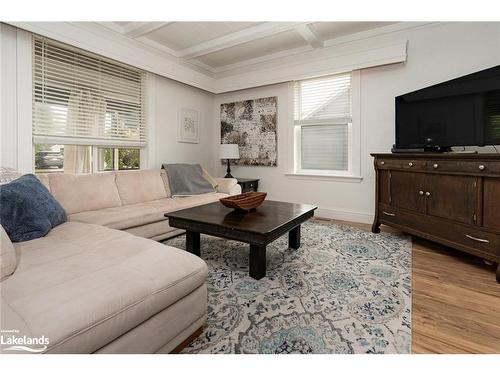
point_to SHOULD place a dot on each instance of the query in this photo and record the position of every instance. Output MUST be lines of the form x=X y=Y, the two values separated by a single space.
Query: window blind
x=324 y=147
x=82 y=98
x=322 y=110
x=326 y=99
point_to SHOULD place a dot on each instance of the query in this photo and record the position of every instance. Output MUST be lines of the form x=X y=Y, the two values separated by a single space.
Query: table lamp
x=229 y=151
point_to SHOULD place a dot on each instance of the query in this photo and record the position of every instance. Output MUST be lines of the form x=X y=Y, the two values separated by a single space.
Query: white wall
x=435 y=54
x=169 y=97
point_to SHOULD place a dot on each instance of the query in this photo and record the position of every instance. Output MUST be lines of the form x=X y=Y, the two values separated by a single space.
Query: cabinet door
x=407 y=190
x=383 y=186
x=452 y=197
x=491 y=203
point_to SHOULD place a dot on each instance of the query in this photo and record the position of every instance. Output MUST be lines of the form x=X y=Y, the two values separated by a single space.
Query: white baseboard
x=344 y=214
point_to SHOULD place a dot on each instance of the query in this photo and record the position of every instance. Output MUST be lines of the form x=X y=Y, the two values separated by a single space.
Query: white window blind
x=82 y=98
x=323 y=114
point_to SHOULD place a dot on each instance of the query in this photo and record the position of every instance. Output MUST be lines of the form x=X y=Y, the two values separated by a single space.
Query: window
x=323 y=126
x=88 y=111
x=110 y=159
x=84 y=159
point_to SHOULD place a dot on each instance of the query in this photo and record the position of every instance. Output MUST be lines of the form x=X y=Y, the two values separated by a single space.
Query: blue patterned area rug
x=344 y=291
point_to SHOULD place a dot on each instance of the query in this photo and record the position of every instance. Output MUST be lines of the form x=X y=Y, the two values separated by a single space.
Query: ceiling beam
x=310 y=36
x=243 y=36
x=138 y=29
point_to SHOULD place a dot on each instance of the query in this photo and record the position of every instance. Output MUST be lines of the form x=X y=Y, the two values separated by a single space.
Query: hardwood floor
x=456 y=300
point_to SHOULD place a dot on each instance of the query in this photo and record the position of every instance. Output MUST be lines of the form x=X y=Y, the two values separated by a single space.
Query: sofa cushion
x=8 y=259
x=84 y=285
x=152 y=230
x=140 y=186
x=85 y=192
x=44 y=179
x=139 y=214
x=28 y=209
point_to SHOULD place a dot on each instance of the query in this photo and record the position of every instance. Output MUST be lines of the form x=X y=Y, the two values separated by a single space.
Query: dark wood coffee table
x=258 y=228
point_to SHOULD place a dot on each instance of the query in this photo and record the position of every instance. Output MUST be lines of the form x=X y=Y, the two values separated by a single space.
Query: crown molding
x=262 y=59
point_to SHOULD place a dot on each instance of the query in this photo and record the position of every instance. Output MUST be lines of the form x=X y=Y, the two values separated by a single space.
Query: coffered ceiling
x=215 y=47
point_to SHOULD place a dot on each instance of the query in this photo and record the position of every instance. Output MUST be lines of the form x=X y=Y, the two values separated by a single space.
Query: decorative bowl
x=245 y=201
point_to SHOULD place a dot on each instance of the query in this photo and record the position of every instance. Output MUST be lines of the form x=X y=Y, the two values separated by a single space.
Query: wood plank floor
x=456 y=300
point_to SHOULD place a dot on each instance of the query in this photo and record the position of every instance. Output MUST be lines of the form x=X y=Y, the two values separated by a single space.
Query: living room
x=220 y=185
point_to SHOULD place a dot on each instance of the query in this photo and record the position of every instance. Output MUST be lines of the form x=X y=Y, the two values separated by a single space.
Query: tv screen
x=461 y=112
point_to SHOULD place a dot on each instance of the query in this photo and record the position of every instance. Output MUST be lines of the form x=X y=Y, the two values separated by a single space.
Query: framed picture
x=189 y=125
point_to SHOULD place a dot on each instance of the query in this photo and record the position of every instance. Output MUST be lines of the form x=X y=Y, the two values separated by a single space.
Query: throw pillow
x=8 y=259
x=8 y=174
x=28 y=209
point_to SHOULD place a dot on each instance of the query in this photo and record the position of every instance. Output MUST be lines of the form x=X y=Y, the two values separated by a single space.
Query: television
x=461 y=112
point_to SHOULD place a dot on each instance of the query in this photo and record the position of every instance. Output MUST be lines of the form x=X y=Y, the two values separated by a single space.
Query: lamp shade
x=229 y=151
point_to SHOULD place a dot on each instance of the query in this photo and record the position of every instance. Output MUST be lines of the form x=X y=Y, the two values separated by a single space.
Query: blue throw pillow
x=28 y=210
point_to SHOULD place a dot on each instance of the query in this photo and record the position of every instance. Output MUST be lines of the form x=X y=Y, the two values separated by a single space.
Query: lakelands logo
x=11 y=341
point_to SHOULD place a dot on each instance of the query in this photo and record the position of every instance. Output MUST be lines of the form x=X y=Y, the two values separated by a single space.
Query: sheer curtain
x=77 y=158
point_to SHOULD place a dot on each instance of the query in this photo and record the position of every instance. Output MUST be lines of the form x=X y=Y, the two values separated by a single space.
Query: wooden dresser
x=453 y=199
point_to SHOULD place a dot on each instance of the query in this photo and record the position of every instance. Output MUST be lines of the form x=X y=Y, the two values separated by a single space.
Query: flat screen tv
x=462 y=112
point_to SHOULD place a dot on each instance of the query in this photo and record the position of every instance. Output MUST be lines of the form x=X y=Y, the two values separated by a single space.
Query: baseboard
x=344 y=214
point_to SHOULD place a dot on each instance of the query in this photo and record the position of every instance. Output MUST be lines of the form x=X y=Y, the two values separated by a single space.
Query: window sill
x=325 y=177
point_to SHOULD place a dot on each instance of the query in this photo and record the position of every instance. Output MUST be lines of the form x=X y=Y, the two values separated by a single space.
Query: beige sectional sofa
x=91 y=288
x=133 y=201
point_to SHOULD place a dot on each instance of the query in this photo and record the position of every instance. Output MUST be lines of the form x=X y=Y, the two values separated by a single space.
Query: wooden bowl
x=245 y=201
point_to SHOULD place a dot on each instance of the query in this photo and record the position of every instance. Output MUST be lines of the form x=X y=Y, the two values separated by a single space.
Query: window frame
x=353 y=171
x=95 y=159
x=94 y=154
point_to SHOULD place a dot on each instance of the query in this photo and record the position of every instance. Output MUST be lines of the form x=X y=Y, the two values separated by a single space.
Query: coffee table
x=257 y=228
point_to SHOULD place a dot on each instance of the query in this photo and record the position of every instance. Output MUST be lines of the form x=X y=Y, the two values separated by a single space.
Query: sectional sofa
x=99 y=283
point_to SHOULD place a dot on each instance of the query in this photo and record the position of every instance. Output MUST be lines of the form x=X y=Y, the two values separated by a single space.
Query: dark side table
x=248 y=184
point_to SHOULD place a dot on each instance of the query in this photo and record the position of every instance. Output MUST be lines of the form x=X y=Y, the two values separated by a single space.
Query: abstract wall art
x=252 y=124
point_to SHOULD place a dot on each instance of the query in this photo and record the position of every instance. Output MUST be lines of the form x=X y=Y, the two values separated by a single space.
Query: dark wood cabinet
x=453 y=199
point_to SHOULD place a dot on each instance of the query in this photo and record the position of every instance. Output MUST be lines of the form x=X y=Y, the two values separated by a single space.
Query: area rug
x=343 y=291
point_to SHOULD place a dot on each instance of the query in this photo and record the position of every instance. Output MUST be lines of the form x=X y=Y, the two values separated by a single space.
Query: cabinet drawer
x=403 y=164
x=467 y=238
x=473 y=167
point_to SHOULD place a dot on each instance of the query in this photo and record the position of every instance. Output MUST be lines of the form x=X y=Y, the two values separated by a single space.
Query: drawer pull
x=410 y=164
x=477 y=239
x=427 y=193
x=421 y=192
x=388 y=213
x=482 y=167
x=435 y=166
x=382 y=162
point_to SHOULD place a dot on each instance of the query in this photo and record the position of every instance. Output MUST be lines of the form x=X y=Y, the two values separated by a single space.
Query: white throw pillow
x=8 y=259
x=8 y=174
